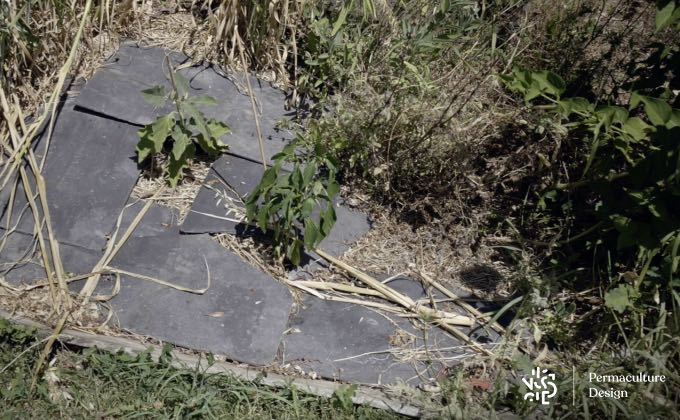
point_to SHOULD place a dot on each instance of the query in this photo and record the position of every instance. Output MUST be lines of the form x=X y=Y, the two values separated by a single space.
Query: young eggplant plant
x=296 y=205
x=185 y=128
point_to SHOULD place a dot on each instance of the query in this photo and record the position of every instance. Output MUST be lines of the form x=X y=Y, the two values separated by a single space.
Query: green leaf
x=674 y=120
x=312 y=234
x=181 y=84
x=576 y=105
x=340 y=21
x=307 y=207
x=666 y=13
x=203 y=101
x=179 y=161
x=153 y=136
x=155 y=95
x=333 y=188
x=658 y=111
x=217 y=128
x=636 y=128
x=268 y=178
x=294 y=252
x=328 y=219
x=620 y=298
x=309 y=172
x=181 y=141
x=263 y=217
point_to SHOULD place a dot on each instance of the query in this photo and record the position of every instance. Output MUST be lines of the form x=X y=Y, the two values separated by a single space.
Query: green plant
x=296 y=204
x=185 y=128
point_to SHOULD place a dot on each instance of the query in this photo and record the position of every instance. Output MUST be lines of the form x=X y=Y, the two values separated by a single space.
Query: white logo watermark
x=541 y=385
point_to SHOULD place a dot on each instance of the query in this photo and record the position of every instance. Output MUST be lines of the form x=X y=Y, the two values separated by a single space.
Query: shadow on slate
x=114 y=91
x=242 y=315
x=22 y=249
x=89 y=173
x=353 y=343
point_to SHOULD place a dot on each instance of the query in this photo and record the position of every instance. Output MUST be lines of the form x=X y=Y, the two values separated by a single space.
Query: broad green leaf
x=155 y=95
x=294 y=252
x=307 y=207
x=328 y=219
x=333 y=188
x=620 y=298
x=311 y=234
x=576 y=105
x=145 y=146
x=182 y=85
x=181 y=141
x=658 y=111
x=268 y=178
x=674 y=120
x=666 y=12
x=210 y=145
x=217 y=128
x=636 y=128
x=153 y=136
x=548 y=82
x=178 y=163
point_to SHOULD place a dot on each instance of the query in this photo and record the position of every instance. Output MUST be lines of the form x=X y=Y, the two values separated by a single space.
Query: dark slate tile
x=354 y=343
x=218 y=207
x=349 y=227
x=242 y=315
x=20 y=261
x=89 y=173
x=158 y=219
x=114 y=90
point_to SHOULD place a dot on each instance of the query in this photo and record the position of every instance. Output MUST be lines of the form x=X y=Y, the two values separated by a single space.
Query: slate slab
x=157 y=220
x=20 y=261
x=242 y=315
x=89 y=173
x=354 y=343
x=114 y=90
x=218 y=207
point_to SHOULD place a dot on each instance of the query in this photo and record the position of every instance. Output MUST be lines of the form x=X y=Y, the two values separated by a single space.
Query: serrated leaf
x=155 y=95
x=154 y=135
x=179 y=162
x=217 y=128
x=181 y=141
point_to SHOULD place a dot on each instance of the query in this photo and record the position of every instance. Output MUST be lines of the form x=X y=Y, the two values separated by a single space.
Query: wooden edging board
x=364 y=395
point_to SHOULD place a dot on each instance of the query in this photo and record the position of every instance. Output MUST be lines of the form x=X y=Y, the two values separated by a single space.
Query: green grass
x=98 y=384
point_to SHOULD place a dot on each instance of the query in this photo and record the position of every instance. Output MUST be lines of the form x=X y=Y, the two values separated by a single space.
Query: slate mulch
x=245 y=315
